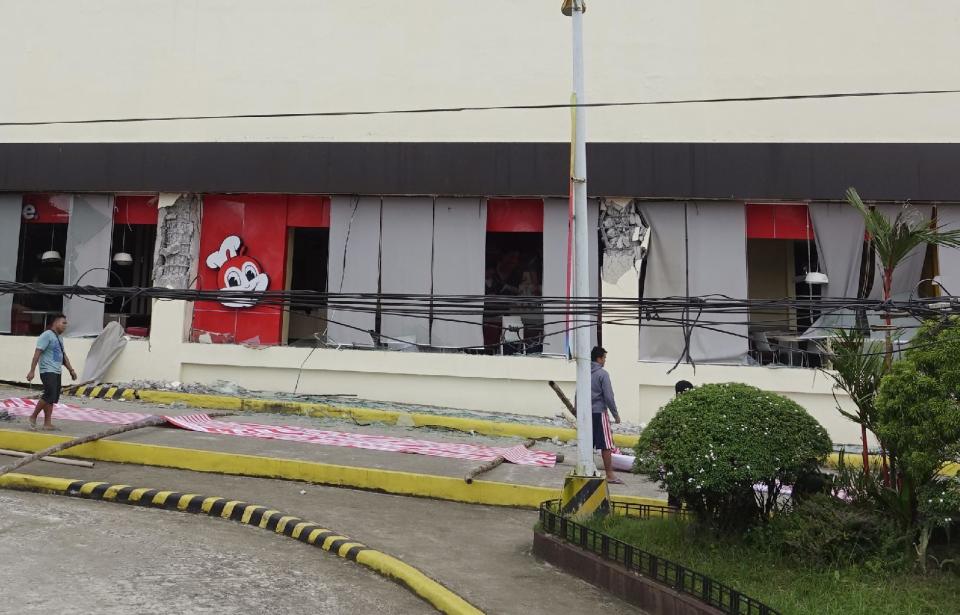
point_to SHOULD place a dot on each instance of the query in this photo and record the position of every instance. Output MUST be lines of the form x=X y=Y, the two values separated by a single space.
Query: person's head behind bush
x=713 y=444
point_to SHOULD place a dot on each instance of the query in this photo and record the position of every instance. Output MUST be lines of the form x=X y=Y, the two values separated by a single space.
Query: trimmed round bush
x=726 y=450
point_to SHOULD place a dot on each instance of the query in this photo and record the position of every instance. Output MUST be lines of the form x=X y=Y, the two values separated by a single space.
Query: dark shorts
x=602 y=436
x=51 y=387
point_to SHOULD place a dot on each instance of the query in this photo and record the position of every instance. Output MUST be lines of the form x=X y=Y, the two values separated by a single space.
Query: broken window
x=133 y=245
x=42 y=244
x=307 y=270
x=513 y=268
x=782 y=263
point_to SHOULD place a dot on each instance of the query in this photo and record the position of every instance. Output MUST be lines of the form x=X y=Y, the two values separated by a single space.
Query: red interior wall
x=778 y=221
x=135 y=209
x=515 y=215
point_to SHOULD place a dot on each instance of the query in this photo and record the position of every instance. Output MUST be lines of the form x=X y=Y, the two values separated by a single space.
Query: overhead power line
x=717 y=313
x=665 y=309
x=641 y=103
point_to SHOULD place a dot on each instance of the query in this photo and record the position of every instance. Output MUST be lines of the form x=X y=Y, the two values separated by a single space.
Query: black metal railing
x=671 y=574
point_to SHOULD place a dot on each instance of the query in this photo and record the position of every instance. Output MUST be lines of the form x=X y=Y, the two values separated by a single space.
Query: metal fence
x=671 y=574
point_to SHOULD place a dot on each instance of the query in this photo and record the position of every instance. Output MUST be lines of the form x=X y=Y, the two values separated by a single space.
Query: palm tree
x=892 y=241
x=857 y=366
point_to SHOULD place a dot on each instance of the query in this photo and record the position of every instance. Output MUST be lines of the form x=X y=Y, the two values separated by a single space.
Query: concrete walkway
x=482 y=553
x=508 y=473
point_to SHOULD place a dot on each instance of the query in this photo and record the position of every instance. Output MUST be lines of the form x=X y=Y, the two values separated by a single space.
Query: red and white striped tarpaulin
x=24 y=407
x=203 y=423
x=515 y=454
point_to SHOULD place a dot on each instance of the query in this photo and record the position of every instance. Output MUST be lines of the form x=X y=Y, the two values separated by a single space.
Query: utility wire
x=714 y=312
x=641 y=103
x=420 y=305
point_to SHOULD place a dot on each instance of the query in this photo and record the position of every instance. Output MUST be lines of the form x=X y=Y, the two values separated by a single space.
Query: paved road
x=480 y=552
x=63 y=555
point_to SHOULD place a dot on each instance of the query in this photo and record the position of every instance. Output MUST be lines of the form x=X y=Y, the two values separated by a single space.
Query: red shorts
x=602 y=436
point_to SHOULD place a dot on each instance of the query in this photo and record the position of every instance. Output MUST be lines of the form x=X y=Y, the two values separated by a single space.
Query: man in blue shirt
x=51 y=359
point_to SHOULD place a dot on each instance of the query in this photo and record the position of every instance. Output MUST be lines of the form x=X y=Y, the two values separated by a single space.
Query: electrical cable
x=534 y=107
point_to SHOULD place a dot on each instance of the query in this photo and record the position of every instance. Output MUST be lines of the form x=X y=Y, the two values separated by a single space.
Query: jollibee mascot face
x=238 y=271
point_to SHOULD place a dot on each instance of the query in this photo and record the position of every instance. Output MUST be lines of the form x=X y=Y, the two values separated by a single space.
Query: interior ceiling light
x=815 y=278
x=51 y=256
x=122 y=259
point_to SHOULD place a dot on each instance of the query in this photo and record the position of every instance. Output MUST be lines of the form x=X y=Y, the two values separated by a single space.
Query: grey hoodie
x=601 y=391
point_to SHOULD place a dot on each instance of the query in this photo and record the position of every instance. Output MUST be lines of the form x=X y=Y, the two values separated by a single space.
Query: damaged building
x=742 y=199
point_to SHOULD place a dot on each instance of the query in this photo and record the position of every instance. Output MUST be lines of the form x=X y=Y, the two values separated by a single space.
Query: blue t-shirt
x=51 y=355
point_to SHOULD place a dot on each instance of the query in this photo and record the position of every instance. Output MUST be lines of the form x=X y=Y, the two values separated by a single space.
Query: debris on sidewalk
x=232 y=389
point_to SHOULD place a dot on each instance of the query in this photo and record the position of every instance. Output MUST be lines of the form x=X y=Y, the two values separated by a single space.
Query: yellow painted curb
x=390 y=417
x=386 y=481
x=855 y=459
x=420 y=584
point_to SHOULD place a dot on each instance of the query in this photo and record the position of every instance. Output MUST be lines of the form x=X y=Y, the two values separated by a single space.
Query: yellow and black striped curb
x=102 y=391
x=320 y=410
x=263 y=517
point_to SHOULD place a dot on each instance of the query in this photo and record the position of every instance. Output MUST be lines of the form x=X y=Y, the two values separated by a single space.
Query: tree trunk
x=888 y=321
x=489 y=465
x=888 y=346
x=150 y=421
x=866 y=453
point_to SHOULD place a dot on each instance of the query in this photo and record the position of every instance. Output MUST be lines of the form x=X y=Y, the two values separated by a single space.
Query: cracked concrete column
x=178 y=241
x=176 y=258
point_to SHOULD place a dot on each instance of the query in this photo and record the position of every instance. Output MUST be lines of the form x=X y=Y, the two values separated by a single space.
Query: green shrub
x=711 y=445
x=824 y=532
x=917 y=410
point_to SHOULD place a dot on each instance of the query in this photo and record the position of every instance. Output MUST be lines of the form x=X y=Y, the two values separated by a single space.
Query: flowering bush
x=940 y=502
x=712 y=445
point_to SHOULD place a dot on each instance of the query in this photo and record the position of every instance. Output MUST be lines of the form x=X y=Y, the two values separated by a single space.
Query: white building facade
x=740 y=198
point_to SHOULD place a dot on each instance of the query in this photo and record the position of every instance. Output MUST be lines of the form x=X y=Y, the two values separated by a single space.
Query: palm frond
x=895 y=239
x=857 y=369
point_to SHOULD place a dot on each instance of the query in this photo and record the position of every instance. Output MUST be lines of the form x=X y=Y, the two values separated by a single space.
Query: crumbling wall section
x=625 y=238
x=178 y=241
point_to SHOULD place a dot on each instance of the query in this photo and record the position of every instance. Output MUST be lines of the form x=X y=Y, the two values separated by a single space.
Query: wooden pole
x=60 y=460
x=566 y=401
x=489 y=465
x=150 y=421
x=147 y=422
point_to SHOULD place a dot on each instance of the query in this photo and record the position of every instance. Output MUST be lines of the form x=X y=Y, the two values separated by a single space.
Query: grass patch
x=791 y=589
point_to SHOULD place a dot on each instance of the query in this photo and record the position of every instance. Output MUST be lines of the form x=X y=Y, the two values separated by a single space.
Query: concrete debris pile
x=232 y=389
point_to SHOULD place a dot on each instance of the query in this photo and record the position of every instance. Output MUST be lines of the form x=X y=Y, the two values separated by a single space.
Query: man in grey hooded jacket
x=601 y=400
